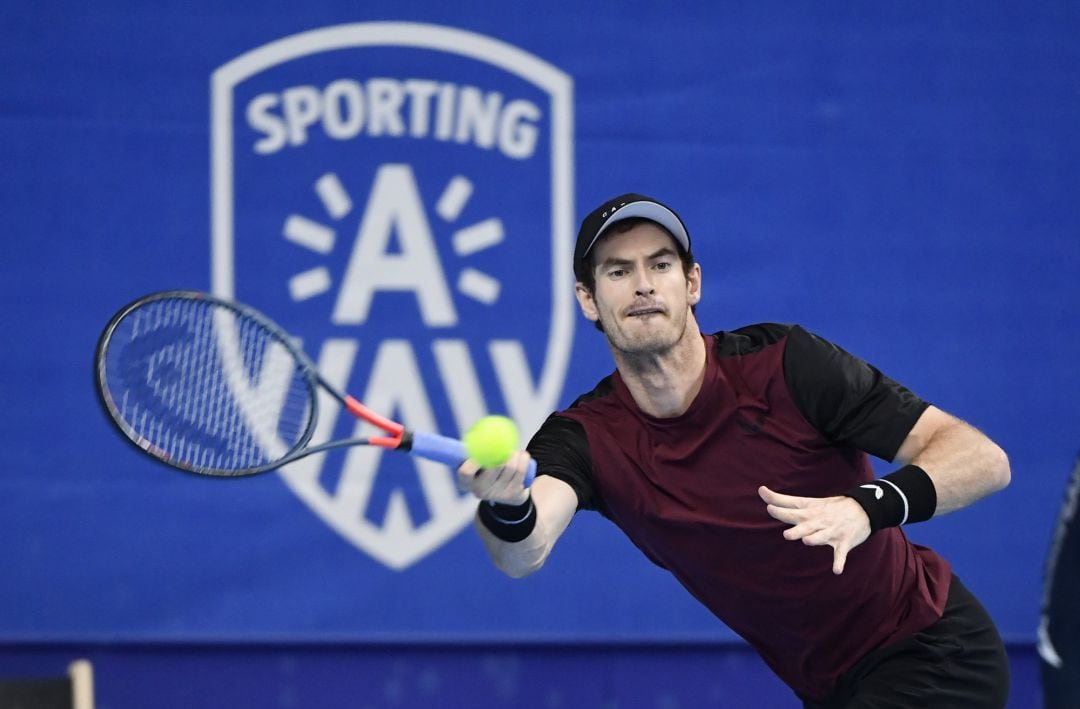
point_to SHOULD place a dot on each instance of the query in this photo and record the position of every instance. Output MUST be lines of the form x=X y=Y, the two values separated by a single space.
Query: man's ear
x=693 y=284
x=586 y=301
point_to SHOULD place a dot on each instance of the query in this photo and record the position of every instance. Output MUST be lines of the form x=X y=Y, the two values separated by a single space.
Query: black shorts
x=959 y=661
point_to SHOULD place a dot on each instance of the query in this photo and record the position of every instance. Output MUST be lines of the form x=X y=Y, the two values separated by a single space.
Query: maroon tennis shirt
x=778 y=407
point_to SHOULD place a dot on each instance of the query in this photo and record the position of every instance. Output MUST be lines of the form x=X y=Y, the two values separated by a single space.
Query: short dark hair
x=585 y=269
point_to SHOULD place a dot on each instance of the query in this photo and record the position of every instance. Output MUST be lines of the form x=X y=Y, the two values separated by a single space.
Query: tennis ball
x=491 y=441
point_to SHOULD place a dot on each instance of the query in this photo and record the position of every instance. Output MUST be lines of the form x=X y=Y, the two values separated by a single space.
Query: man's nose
x=644 y=284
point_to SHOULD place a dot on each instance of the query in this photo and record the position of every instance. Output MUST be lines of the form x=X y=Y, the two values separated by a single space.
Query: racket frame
x=448 y=451
x=397 y=437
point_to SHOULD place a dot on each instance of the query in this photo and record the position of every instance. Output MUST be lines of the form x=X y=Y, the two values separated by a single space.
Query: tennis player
x=738 y=462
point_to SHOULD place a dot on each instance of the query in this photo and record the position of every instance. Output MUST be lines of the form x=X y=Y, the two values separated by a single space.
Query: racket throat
x=398 y=434
x=404 y=441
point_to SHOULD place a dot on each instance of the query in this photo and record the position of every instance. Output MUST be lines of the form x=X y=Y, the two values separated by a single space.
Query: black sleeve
x=561 y=450
x=846 y=399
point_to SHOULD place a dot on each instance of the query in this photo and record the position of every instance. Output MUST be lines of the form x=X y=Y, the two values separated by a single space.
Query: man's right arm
x=555 y=503
x=519 y=525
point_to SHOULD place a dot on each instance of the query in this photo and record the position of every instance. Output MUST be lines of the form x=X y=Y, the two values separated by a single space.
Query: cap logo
x=614 y=208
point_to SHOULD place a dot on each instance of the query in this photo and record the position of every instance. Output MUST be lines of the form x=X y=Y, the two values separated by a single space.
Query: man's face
x=642 y=297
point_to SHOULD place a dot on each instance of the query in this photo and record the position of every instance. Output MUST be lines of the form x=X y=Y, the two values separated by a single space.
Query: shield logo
x=399 y=196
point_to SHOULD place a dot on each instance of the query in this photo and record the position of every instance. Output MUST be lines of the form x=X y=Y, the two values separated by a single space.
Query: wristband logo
x=399 y=195
x=878 y=492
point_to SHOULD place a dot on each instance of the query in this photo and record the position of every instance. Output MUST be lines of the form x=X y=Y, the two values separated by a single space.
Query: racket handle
x=451 y=451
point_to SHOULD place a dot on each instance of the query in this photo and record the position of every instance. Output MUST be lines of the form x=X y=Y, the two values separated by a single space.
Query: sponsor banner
x=399 y=186
x=399 y=196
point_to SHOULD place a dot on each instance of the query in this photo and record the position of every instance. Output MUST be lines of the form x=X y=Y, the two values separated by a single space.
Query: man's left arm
x=960 y=460
x=962 y=464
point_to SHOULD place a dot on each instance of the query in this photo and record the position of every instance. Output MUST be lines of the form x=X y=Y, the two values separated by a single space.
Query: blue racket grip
x=451 y=451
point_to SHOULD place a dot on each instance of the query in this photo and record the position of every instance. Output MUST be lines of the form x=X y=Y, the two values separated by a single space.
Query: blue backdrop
x=901 y=178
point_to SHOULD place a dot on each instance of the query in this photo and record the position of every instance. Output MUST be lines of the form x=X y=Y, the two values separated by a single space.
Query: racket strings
x=207 y=387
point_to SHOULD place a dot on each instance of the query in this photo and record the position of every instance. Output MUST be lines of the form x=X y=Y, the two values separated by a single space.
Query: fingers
x=502 y=484
x=839 y=559
x=841 y=547
x=786 y=514
x=789 y=508
x=803 y=531
x=831 y=522
x=465 y=474
x=813 y=537
x=788 y=501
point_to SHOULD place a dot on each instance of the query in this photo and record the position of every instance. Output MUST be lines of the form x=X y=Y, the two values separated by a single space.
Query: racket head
x=205 y=385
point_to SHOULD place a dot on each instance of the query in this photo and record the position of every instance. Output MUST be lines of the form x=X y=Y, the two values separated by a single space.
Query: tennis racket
x=214 y=387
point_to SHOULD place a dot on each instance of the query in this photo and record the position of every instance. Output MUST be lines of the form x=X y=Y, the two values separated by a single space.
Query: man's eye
x=663 y=266
x=616 y=273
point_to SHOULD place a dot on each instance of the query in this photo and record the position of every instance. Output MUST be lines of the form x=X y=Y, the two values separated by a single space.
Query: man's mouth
x=644 y=312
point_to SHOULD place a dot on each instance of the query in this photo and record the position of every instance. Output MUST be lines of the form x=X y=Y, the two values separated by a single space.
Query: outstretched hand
x=505 y=484
x=838 y=522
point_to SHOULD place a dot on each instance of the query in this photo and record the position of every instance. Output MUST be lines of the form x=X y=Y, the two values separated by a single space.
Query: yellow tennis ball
x=491 y=441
